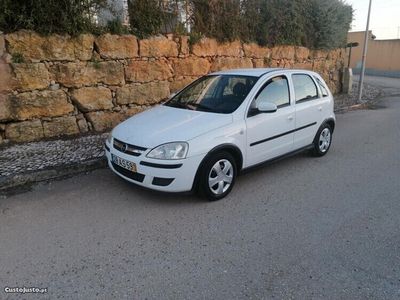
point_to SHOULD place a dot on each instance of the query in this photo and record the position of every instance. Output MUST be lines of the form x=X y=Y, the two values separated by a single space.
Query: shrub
x=310 y=23
x=145 y=17
x=218 y=19
x=49 y=16
x=116 y=27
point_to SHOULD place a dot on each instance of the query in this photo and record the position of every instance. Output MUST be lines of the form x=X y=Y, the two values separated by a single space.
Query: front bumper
x=161 y=175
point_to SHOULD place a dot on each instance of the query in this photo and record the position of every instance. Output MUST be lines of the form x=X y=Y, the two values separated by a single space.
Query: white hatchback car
x=219 y=125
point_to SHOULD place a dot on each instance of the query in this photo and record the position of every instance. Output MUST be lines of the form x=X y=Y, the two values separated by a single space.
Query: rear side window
x=304 y=88
x=324 y=90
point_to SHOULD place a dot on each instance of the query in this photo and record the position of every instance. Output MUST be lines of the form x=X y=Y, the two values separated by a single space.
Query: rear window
x=323 y=88
x=304 y=88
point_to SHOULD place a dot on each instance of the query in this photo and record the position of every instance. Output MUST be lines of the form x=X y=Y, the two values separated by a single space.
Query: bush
x=145 y=17
x=310 y=23
x=49 y=16
x=218 y=19
x=115 y=27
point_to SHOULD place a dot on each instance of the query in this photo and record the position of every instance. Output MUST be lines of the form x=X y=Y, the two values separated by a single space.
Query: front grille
x=128 y=148
x=132 y=175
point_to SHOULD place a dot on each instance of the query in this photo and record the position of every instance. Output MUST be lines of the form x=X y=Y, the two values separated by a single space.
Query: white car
x=221 y=124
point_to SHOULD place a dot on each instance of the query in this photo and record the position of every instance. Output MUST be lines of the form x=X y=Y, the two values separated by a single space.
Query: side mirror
x=267 y=107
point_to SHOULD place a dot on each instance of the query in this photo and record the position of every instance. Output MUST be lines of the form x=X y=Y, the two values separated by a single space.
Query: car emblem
x=124 y=147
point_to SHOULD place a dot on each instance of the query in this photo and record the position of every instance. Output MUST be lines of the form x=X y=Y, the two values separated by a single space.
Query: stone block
x=283 y=52
x=158 y=46
x=258 y=63
x=205 y=47
x=31 y=105
x=104 y=120
x=233 y=49
x=60 y=126
x=226 y=63
x=111 y=46
x=255 y=51
x=84 y=45
x=34 y=47
x=146 y=71
x=302 y=54
x=184 y=48
x=5 y=108
x=143 y=94
x=92 y=98
x=84 y=74
x=31 y=76
x=191 y=66
x=7 y=80
x=27 y=131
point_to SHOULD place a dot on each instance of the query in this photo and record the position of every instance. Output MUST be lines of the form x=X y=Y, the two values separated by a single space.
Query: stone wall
x=61 y=86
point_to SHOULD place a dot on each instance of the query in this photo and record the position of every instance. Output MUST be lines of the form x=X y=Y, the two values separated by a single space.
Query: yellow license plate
x=126 y=164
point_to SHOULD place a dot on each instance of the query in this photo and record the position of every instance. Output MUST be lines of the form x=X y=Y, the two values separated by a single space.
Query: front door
x=270 y=134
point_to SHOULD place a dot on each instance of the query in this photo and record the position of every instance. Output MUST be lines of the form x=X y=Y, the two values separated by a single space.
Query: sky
x=385 y=17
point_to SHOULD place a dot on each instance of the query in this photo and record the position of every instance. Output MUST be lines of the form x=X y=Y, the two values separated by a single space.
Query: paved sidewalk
x=371 y=93
x=25 y=164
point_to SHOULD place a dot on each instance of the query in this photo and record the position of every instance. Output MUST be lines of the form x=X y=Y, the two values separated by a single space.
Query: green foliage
x=115 y=27
x=180 y=29
x=17 y=58
x=49 y=16
x=218 y=19
x=310 y=23
x=145 y=16
x=194 y=37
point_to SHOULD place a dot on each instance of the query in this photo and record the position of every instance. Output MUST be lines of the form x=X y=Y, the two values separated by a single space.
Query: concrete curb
x=13 y=183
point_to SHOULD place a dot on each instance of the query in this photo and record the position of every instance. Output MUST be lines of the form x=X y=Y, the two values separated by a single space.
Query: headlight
x=109 y=137
x=176 y=150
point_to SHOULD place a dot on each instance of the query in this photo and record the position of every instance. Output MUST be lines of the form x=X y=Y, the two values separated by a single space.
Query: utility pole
x=364 y=58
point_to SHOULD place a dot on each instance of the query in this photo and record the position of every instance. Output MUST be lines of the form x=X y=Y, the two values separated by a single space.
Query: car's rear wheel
x=323 y=140
x=218 y=176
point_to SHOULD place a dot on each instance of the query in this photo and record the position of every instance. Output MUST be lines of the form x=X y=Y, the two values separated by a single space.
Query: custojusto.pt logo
x=25 y=290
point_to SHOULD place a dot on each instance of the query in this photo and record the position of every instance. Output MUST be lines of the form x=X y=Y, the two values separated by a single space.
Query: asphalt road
x=302 y=228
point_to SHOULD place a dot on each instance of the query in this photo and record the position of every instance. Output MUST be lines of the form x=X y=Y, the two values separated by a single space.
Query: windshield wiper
x=177 y=104
x=200 y=106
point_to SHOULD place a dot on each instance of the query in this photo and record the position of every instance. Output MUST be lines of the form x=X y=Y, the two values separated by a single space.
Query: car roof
x=257 y=72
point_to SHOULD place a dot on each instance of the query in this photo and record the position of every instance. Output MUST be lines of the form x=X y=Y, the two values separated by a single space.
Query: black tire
x=207 y=172
x=321 y=145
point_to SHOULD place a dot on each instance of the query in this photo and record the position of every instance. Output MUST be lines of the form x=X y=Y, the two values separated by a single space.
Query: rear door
x=270 y=134
x=308 y=109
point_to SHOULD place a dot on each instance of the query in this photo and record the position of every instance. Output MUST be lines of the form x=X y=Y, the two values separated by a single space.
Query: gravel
x=370 y=93
x=36 y=156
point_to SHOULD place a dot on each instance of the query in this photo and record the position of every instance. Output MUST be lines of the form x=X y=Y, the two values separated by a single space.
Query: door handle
x=290 y=118
x=320 y=108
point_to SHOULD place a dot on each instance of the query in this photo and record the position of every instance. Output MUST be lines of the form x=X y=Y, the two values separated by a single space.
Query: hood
x=164 y=124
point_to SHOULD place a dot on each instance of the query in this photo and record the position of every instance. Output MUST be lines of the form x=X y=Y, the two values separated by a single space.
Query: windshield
x=214 y=93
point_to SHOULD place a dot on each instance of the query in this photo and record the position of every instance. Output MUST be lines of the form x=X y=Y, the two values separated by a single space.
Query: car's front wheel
x=323 y=140
x=217 y=176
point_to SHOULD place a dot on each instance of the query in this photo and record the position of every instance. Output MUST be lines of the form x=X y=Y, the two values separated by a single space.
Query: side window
x=304 y=88
x=276 y=90
x=323 y=88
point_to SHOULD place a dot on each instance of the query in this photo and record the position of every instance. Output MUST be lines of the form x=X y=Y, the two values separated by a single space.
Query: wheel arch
x=231 y=149
x=331 y=122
